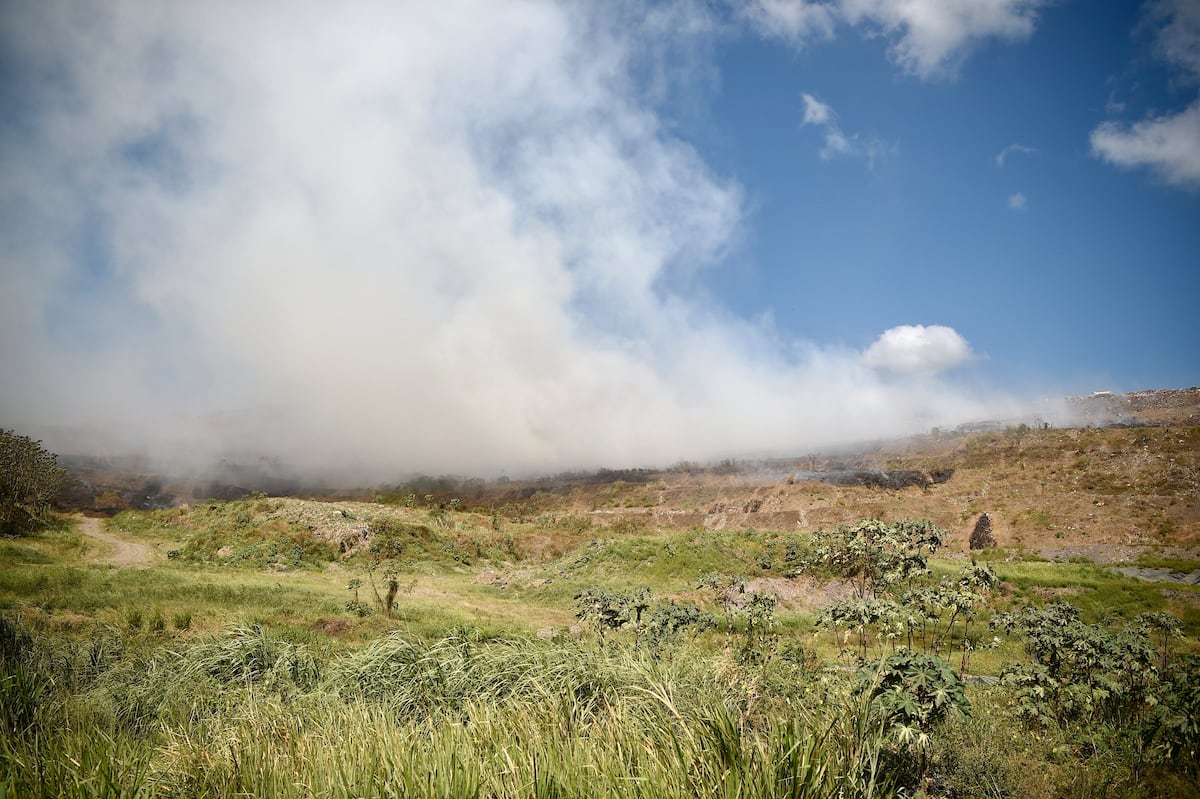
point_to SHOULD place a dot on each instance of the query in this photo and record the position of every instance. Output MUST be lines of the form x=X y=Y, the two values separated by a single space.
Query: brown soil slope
x=1132 y=480
x=1134 y=484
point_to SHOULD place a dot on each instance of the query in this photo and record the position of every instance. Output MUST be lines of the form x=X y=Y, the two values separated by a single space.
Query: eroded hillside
x=1133 y=481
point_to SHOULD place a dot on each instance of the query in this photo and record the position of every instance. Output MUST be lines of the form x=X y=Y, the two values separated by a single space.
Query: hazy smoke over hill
x=396 y=235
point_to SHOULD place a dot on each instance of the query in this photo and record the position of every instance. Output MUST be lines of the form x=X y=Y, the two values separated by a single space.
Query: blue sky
x=1090 y=283
x=484 y=237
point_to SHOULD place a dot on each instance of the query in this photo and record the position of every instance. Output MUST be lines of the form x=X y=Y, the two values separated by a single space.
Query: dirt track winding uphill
x=124 y=553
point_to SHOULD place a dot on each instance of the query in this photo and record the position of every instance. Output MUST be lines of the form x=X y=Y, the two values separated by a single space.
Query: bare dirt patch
x=1110 y=554
x=332 y=627
x=520 y=578
x=1162 y=575
x=123 y=553
x=801 y=592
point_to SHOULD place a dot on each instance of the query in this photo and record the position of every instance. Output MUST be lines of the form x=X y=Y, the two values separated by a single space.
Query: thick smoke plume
x=390 y=236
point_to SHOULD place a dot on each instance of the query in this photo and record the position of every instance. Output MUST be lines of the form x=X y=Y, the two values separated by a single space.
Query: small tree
x=354 y=606
x=1080 y=672
x=874 y=555
x=30 y=479
x=382 y=559
x=389 y=571
x=881 y=560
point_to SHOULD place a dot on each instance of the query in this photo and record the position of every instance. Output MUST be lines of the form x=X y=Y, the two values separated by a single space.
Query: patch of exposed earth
x=1108 y=554
x=518 y=578
x=801 y=592
x=124 y=553
x=1161 y=575
x=1114 y=554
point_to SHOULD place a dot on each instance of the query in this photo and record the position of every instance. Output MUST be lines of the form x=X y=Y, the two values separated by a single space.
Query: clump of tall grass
x=251 y=654
x=521 y=750
x=75 y=763
x=413 y=676
x=249 y=713
x=170 y=685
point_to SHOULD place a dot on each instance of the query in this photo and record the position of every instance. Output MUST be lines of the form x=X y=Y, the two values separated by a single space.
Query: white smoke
x=388 y=236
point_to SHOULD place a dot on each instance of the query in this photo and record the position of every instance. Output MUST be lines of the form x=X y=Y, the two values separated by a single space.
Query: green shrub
x=915 y=692
x=1079 y=671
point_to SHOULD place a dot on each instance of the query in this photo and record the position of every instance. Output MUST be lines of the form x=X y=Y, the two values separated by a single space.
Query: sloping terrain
x=117 y=551
x=1127 y=479
x=292 y=633
x=1138 y=486
x=1099 y=488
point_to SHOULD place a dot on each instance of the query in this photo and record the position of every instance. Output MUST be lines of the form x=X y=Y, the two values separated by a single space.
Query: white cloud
x=795 y=21
x=820 y=115
x=1011 y=149
x=1018 y=201
x=1178 y=38
x=837 y=143
x=397 y=236
x=815 y=111
x=918 y=350
x=1167 y=144
x=929 y=37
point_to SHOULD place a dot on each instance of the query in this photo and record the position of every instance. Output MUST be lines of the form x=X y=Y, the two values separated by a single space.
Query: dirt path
x=124 y=553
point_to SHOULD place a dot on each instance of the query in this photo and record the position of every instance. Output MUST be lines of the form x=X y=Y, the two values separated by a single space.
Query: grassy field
x=539 y=653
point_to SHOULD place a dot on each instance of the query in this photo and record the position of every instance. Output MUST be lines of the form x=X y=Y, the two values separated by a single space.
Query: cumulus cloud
x=929 y=37
x=1018 y=201
x=386 y=237
x=1167 y=144
x=918 y=350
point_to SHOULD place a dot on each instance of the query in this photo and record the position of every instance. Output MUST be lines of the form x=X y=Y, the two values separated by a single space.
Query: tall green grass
x=639 y=746
x=246 y=713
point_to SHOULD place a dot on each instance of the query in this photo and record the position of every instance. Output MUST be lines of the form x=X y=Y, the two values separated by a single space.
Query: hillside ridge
x=1127 y=477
